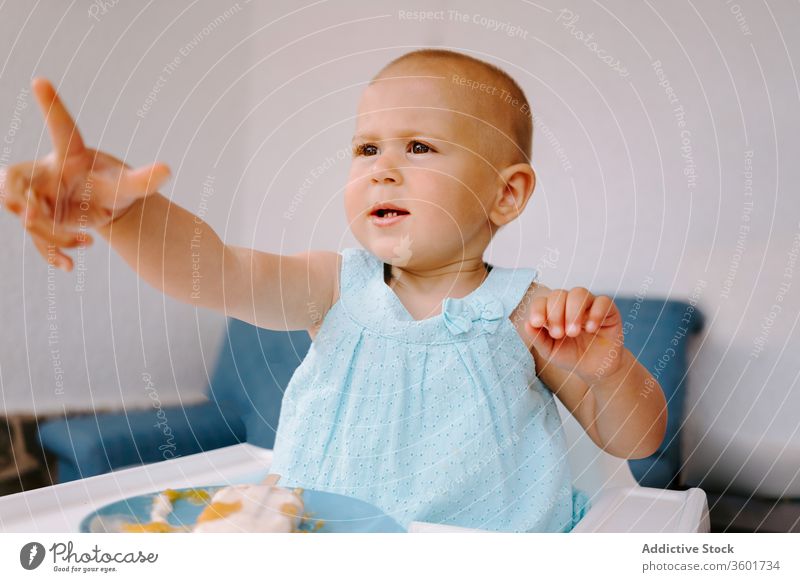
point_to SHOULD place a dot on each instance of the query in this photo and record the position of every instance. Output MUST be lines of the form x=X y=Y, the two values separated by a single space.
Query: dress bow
x=459 y=316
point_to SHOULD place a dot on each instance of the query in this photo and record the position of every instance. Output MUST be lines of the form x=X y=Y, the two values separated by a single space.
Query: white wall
x=613 y=202
x=105 y=63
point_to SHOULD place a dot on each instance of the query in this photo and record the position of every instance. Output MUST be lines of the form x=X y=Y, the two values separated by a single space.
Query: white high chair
x=618 y=502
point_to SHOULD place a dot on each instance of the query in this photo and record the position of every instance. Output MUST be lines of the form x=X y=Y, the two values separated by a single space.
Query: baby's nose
x=386 y=174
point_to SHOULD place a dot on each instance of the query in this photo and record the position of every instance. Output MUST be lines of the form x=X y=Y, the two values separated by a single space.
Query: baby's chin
x=412 y=247
x=397 y=250
x=407 y=253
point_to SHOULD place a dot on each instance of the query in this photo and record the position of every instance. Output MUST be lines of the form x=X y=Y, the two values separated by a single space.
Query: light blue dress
x=440 y=420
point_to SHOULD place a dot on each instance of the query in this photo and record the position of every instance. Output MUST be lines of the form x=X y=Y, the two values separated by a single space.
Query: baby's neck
x=437 y=284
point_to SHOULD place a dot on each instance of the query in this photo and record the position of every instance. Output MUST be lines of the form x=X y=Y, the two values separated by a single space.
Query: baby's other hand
x=72 y=188
x=577 y=332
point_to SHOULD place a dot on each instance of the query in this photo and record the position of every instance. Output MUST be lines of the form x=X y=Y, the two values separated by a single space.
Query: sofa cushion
x=252 y=372
x=92 y=444
x=656 y=332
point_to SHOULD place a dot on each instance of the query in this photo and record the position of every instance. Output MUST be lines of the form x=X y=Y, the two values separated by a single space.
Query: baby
x=429 y=387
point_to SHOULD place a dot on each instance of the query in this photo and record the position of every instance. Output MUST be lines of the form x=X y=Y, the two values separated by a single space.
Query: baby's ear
x=515 y=185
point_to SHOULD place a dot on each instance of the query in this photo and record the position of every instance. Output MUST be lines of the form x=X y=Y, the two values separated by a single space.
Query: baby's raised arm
x=178 y=253
x=170 y=248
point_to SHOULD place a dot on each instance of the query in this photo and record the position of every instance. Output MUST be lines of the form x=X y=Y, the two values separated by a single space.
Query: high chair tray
x=647 y=510
x=62 y=507
x=626 y=509
x=70 y=507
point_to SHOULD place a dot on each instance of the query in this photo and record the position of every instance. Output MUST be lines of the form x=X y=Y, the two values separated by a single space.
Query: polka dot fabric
x=440 y=420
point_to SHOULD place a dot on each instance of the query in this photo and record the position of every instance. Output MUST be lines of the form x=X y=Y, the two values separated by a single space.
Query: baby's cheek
x=353 y=205
x=437 y=218
x=470 y=215
x=442 y=225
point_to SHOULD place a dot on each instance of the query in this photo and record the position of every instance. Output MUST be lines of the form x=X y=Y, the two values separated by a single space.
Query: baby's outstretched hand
x=73 y=187
x=578 y=332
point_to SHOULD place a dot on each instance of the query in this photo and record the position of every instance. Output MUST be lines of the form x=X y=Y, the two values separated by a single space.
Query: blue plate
x=338 y=513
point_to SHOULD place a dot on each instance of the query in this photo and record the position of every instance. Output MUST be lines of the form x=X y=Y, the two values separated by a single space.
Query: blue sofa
x=255 y=366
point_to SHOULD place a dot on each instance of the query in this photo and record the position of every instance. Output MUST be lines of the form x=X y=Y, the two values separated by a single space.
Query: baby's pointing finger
x=63 y=131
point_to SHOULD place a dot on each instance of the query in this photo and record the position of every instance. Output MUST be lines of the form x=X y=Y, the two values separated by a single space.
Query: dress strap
x=356 y=271
x=509 y=285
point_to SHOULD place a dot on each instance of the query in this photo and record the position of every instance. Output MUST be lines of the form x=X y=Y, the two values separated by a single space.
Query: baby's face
x=414 y=150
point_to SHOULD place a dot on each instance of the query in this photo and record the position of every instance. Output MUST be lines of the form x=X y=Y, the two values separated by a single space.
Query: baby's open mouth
x=388 y=212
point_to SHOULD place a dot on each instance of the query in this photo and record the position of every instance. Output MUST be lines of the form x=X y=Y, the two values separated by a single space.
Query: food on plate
x=252 y=508
x=255 y=508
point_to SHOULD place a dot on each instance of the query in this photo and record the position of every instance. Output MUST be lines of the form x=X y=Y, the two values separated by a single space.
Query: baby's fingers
x=578 y=301
x=602 y=313
x=18 y=193
x=537 y=316
x=51 y=253
x=556 y=306
x=12 y=206
x=537 y=319
x=61 y=238
x=14 y=184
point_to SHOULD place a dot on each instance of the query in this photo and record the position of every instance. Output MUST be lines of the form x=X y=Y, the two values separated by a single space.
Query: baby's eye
x=418 y=147
x=365 y=149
